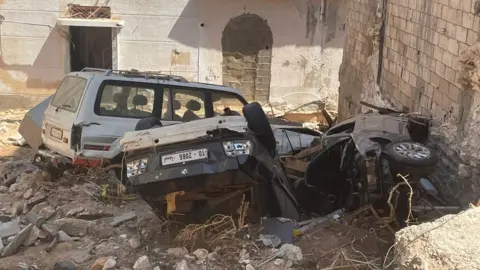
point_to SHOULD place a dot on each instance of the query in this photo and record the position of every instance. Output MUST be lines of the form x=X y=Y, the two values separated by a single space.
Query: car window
x=69 y=93
x=189 y=104
x=126 y=101
x=230 y=102
x=167 y=113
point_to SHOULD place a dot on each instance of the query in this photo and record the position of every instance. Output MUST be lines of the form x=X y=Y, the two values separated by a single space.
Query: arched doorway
x=247 y=56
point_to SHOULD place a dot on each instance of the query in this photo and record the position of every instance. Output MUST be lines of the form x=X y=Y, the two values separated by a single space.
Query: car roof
x=152 y=77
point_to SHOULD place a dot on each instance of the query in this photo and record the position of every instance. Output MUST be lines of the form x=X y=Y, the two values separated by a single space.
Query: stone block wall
x=421 y=45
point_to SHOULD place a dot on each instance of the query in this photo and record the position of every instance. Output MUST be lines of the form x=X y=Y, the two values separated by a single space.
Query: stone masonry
x=420 y=43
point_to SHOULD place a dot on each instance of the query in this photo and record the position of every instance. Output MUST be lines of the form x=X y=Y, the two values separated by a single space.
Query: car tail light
x=136 y=167
x=237 y=148
x=96 y=147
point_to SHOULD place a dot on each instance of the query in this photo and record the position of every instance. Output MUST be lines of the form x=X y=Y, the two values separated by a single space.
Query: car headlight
x=136 y=167
x=237 y=148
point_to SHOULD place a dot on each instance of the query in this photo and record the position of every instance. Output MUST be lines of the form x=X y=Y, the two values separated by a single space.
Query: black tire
x=147 y=123
x=258 y=123
x=402 y=163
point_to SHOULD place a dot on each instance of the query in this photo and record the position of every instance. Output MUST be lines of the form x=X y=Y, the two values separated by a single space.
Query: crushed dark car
x=196 y=169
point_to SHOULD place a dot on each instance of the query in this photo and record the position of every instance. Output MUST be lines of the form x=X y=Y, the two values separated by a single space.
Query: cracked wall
x=428 y=64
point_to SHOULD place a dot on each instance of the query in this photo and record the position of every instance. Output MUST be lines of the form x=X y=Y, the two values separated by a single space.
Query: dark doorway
x=90 y=47
x=247 y=42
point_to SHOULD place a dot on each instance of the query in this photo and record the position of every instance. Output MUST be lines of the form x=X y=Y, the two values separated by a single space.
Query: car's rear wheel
x=258 y=123
x=409 y=157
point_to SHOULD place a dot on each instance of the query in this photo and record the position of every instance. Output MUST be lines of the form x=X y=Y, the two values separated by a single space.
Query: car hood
x=143 y=139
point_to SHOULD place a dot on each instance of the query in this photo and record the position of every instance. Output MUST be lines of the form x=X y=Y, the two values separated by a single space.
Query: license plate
x=184 y=156
x=56 y=133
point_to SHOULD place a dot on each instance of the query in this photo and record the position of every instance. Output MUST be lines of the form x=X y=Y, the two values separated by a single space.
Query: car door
x=62 y=112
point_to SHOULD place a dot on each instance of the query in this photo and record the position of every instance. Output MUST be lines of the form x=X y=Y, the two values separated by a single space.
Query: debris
x=183 y=265
x=65 y=265
x=143 y=263
x=17 y=241
x=178 y=252
x=278 y=262
x=290 y=252
x=99 y=263
x=9 y=228
x=280 y=227
x=201 y=254
x=428 y=187
x=28 y=194
x=72 y=226
x=125 y=217
x=110 y=264
x=74 y=211
x=270 y=240
x=3 y=189
x=134 y=242
x=308 y=225
x=63 y=237
x=40 y=233
x=17 y=208
x=249 y=267
x=38 y=198
x=32 y=238
x=437 y=208
x=47 y=212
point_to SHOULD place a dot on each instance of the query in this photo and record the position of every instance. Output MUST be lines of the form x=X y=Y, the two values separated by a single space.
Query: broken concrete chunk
x=63 y=237
x=290 y=252
x=270 y=240
x=72 y=226
x=17 y=241
x=17 y=208
x=9 y=228
x=38 y=198
x=74 y=211
x=32 y=238
x=134 y=242
x=201 y=254
x=99 y=263
x=3 y=189
x=183 y=265
x=120 y=219
x=47 y=212
x=40 y=233
x=178 y=252
x=143 y=263
x=28 y=194
x=110 y=264
x=249 y=267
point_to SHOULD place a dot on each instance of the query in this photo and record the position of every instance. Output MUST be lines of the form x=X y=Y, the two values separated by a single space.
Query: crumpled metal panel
x=31 y=126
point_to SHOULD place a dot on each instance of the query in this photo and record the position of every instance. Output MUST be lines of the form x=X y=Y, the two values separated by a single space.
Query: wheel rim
x=412 y=150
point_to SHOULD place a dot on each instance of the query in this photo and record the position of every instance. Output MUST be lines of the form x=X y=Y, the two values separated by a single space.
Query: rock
x=17 y=241
x=1 y=246
x=81 y=257
x=201 y=254
x=110 y=264
x=47 y=212
x=178 y=252
x=143 y=263
x=65 y=265
x=291 y=252
x=72 y=226
x=74 y=211
x=3 y=189
x=156 y=268
x=134 y=242
x=9 y=228
x=63 y=237
x=278 y=262
x=450 y=242
x=99 y=263
x=32 y=238
x=120 y=219
x=249 y=267
x=39 y=207
x=463 y=171
x=104 y=248
x=17 y=208
x=28 y=194
x=38 y=198
x=40 y=233
x=270 y=240
x=13 y=188
x=183 y=265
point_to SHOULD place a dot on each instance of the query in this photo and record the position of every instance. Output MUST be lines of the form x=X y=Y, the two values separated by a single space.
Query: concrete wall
x=182 y=37
x=420 y=71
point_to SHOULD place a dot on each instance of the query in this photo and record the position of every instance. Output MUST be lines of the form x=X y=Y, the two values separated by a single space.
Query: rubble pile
x=70 y=224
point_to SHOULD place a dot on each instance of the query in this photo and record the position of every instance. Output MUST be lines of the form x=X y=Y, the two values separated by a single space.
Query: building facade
x=283 y=51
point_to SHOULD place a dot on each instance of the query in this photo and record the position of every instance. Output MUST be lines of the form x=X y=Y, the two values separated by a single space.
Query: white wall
x=35 y=58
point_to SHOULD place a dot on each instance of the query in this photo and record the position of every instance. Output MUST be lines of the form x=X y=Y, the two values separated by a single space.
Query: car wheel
x=410 y=157
x=258 y=123
x=147 y=123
